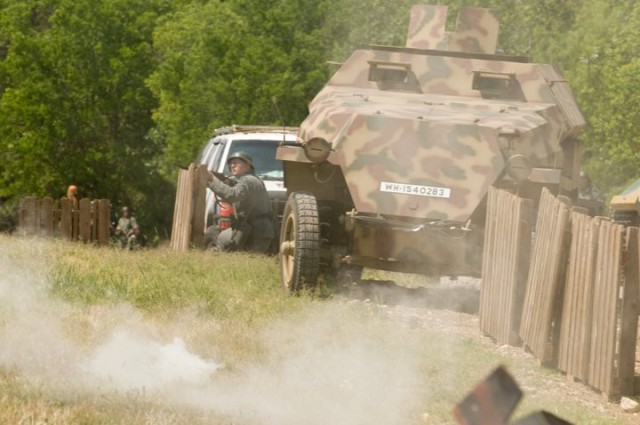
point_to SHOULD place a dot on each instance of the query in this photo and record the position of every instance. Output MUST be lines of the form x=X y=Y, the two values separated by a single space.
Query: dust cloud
x=328 y=364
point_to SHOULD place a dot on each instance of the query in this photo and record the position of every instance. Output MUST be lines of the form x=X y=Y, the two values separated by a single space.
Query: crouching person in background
x=136 y=239
x=124 y=229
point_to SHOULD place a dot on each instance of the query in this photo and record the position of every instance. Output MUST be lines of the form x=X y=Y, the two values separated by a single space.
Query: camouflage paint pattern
x=426 y=250
x=476 y=30
x=421 y=132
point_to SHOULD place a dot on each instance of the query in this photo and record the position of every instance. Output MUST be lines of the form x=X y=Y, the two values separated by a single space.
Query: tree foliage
x=607 y=83
x=75 y=108
x=221 y=65
x=111 y=94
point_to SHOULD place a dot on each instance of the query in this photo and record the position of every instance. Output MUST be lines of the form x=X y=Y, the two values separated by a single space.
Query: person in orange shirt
x=72 y=195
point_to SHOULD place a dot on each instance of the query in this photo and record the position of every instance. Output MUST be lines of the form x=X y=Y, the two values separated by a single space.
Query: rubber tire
x=299 y=251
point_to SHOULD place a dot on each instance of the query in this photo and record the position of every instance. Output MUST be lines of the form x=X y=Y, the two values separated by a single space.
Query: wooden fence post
x=84 y=220
x=183 y=210
x=94 y=221
x=199 y=200
x=629 y=313
x=27 y=218
x=46 y=223
x=103 y=221
x=505 y=265
x=91 y=222
x=577 y=310
x=66 y=219
x=606 y=308
x=545 y=281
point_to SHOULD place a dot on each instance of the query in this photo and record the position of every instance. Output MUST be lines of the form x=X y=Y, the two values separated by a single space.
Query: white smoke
x=128 y=363
x=324 y=365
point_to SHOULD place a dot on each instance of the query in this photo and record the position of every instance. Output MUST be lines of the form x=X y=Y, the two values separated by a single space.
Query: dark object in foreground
x=493 y=401
x=541 y=418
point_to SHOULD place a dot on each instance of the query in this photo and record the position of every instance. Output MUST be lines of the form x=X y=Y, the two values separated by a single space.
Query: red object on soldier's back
x=225 y=215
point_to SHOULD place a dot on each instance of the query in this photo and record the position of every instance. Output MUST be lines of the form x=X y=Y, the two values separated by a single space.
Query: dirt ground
x=453 y=308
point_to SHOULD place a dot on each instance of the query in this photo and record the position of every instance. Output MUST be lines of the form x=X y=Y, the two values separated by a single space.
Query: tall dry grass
x=73 y=316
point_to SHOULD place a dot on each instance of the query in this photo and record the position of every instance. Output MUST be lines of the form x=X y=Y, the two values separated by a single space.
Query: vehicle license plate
x=415 y=189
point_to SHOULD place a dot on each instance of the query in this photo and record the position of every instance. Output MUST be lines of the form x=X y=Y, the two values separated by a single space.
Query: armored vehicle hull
x=393 y=163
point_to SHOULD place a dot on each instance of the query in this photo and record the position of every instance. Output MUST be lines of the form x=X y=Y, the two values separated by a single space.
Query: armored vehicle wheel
x=299 y=242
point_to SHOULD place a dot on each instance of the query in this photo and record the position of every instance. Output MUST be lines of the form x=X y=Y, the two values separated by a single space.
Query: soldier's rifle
x=220 y=176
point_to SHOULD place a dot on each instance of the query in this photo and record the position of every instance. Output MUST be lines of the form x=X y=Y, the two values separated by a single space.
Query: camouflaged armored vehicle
x=392 y=166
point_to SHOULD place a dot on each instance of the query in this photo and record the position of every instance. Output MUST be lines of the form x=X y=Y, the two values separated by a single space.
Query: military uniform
x=589 y=196
x=136 y=240
x=253 y=228
x=125 y=227
x=591 y=193
x=126 y=224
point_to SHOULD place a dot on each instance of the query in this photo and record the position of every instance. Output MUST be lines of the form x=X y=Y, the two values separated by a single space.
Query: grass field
x=101 y=336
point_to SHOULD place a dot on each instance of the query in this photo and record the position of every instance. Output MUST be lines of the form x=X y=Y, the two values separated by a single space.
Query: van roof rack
x=254 y=129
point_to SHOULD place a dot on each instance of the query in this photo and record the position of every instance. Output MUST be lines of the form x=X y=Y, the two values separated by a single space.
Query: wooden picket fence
x=507 y=248
x=90 y=223
x=574 y=303
x=189 y=209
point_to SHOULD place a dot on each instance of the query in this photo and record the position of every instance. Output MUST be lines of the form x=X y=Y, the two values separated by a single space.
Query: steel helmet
x=241 y=155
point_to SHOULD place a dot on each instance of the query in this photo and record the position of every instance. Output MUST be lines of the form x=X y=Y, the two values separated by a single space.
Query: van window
x=213 y=162
x=263 y=154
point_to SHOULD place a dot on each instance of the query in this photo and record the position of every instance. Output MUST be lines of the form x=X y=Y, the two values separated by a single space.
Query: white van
x=260 y=142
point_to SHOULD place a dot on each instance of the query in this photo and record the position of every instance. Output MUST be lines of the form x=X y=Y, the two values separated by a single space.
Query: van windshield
x=263 y=154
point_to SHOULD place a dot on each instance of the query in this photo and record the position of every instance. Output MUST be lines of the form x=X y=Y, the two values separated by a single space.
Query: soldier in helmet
x=586 y=189
x=125 y=226
x=253 y=227
x=589 y=196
